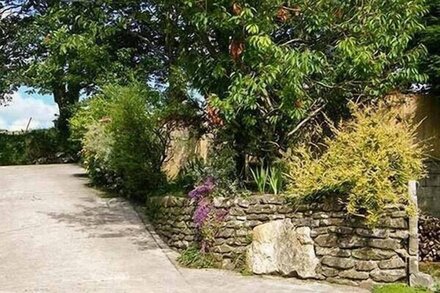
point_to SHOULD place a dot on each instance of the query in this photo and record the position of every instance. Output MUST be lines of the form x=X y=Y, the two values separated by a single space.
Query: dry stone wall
x=330 y=246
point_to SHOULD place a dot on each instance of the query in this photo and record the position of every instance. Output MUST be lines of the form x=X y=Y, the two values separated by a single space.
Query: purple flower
x=202 y=212
x=202 y=190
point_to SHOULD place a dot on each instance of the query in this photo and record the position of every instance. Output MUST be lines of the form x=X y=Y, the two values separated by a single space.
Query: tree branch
x=310 y=116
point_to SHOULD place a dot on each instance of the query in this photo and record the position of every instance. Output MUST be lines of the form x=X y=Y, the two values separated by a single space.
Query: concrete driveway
x=57 y=234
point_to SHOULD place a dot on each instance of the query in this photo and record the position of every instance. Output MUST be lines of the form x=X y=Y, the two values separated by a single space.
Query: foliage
x=96 y=151
x=192 y=257
x=69 y=48
x=430 y=37
x=206 y=218
x=42 y=146
x=265 y=176
x=370 y=159
x=87 y=112
x=220 y=166
x=260 y=69
x=266 y=67
x=275 y=179
x=260 y=178
x=123 y=140
x=398 y=288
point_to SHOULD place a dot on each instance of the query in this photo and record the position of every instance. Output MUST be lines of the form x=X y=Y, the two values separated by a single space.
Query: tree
x=430 y=37
x=69 y=48
x=266 y=67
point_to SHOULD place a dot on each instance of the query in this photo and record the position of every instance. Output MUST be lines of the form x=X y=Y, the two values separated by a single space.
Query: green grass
x=398 y=288
x=193 y=258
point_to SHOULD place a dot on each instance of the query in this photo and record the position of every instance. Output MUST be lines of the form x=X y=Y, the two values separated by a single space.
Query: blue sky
x=24 y=105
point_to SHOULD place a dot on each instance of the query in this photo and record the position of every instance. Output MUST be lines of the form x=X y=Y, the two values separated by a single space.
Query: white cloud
x=15 y=116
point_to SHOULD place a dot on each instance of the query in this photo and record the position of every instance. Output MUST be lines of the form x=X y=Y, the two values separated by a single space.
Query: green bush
x=97 y=147
x=370 y=159
x=36 y=146
x=123 y=143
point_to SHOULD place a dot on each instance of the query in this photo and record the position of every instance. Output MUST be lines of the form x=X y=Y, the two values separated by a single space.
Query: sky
x=15 y=116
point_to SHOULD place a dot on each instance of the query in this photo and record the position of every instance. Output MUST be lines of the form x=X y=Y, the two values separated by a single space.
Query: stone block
x=327 y=240
x=332 y=251
x=280 y=247
x=388 y=276
x=367 y=253
x=338 y=262
x=398 y=214
x=261 y=209
x=351 y=241
x=331 y=222
x=372 y=233
x=354 y=275
x=342 y=282
x=412 y=223
x=421 y=280
x=277 y=217
x=320 y=215
x=413 y=245
x=392 y=263
x=365 y=265
x=397 y=223
x=258 y=217
x=399 y=234
x=226 y=233
x=319 y=231
x=243 y=203
x=272 y=199
x=329 y=272
x=413 y=265
x=223 y=248
x=235 y=211
x=390 y=244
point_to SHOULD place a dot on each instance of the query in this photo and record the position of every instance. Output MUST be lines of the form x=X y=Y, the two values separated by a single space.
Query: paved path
x=59 y=235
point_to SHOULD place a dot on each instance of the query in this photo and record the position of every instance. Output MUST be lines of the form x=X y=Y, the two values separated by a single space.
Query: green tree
x=430 y=37
x=69 y=48
x=266 y=67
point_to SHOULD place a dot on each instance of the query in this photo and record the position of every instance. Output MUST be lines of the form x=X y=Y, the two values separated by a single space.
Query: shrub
x=87 y=113
x=138 y=148
x=97 y=147
x=123 y=144
x=370 y=159
x=36 y=146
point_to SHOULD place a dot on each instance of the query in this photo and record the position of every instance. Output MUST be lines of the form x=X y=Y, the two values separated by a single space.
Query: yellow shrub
x=370 y=160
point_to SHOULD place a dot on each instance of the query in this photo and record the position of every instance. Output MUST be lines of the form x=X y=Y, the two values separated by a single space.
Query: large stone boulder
x=279 y=247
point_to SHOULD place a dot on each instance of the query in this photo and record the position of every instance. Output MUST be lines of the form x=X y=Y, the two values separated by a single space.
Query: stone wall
x=329 y=245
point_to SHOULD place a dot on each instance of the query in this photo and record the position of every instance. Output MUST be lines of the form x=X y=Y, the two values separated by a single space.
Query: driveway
x=57 y=234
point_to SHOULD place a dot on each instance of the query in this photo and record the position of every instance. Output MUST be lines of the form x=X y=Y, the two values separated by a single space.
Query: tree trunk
x=66 y=96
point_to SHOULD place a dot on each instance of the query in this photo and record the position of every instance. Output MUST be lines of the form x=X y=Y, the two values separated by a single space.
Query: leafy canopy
x=69 y=48
x=267 y=65
x=430 y=37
